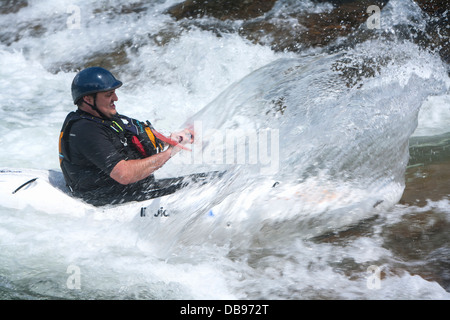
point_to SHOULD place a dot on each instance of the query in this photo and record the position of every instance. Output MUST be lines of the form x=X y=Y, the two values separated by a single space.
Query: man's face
x=105 y=102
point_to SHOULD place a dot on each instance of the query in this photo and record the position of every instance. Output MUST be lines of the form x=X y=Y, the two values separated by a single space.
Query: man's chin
x=110 y=114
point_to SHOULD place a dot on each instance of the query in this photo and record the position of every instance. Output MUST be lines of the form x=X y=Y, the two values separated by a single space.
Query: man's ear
x=89 y=99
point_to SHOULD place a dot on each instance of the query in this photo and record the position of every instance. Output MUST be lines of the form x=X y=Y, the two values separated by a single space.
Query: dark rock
x=34 y=28
x=423 y=237
x=221 y=9
x=289 y=30
x=311 y=29
x=136 y=7
x=12 y=6
x=434 y=7
x=438 y=27
x=295 y=31
x=111 y=60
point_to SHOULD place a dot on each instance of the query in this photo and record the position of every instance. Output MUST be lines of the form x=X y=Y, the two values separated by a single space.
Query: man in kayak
x=108 y=158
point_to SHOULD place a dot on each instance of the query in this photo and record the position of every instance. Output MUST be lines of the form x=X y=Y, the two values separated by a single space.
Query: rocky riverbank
x=296 y=30
x=261 y=21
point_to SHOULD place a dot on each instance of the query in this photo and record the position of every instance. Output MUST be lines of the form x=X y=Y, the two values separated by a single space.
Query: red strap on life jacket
x=138 y=146
x=168 y=140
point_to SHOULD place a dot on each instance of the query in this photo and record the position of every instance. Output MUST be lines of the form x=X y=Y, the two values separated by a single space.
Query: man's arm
x=130 y=171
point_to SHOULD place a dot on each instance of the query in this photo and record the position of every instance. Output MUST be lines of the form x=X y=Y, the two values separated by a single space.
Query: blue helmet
x=92 y=80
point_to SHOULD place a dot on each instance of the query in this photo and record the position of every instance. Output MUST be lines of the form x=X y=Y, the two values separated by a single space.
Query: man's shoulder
x=83 y=122
x=88 y=127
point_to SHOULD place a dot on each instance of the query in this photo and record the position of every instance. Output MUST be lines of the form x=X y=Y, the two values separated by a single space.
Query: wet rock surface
x=261 y=21
x=438 y=27
x=12 y=6
x=295 y=31
x=221 y=9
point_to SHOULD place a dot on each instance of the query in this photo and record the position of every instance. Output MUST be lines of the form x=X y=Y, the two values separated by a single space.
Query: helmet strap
x=95 y=108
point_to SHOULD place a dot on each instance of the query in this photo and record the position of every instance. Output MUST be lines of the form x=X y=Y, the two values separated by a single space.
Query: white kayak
x=219 y=208
x=45 y=190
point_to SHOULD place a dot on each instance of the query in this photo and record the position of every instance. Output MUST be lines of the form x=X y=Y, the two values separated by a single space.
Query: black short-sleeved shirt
x=93 y=150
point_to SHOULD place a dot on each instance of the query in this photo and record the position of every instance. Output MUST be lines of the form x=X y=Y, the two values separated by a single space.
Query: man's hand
x=183 y=137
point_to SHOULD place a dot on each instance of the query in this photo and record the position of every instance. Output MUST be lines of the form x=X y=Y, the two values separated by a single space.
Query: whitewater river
x=313 y=210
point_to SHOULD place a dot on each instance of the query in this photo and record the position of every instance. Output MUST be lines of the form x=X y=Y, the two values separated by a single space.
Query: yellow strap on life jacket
x=151 y=136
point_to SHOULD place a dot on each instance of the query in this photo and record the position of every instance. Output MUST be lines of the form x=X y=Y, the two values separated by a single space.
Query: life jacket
x=129 y=130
